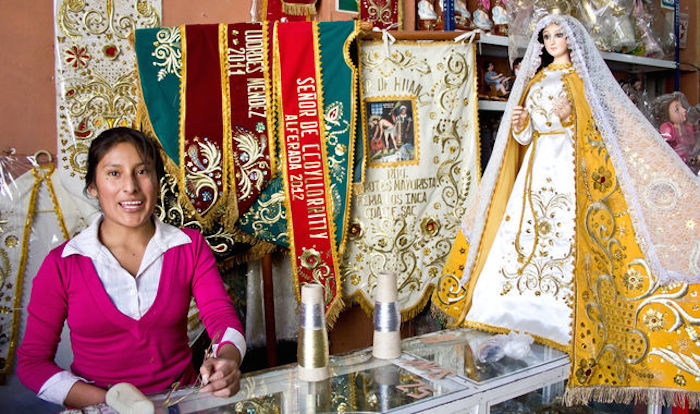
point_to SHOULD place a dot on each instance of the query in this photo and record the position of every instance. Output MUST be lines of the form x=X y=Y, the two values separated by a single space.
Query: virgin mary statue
x=585 y=232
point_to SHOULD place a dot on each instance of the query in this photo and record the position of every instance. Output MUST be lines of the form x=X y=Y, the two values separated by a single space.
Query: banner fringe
x=296 y=9
x=631 y=395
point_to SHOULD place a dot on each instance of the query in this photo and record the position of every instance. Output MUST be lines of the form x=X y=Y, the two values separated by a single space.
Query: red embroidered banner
x=203 y=149
x=384 y=14
x=305 y=163
x=272 y=11
x=247 y=68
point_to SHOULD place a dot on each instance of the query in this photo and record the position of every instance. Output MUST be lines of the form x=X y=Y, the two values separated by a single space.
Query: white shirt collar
x=87 y=243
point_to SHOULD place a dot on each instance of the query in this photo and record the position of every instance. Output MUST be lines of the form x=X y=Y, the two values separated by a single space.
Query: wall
x=27 y=107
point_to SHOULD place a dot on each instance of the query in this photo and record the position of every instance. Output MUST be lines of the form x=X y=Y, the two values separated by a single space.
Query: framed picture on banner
x=392 y=131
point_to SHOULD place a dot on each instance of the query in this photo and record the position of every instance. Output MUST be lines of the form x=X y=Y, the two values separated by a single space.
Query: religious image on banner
x=391 y=131
x=419 y=125
x=95 y=75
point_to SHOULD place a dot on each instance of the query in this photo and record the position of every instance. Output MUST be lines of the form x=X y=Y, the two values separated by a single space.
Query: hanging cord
x=470 y=36
x=387 y=38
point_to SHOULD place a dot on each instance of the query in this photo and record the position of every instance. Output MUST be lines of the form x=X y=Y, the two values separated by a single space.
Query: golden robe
x=629 y=336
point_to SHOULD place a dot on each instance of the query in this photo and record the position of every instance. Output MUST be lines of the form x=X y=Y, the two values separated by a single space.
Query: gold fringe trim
x=259 y=249
x=445 y=319
x=296 y=9
x=349 y=175
x=500 y=330
x=627 y=395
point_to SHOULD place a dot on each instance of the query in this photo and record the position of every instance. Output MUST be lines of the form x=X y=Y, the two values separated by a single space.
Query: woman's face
x=676 y=113
x=126 y=187
x=555 y=41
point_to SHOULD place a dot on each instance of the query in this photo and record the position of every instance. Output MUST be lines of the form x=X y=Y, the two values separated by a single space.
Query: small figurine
x=672 y=114
x=426 y=11
x=500 y=18
x=462 y=15
x=498 y=83
x=481 y=16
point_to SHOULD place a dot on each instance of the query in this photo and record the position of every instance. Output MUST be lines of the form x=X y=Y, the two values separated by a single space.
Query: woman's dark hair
x=146 y=146
x=545 y=57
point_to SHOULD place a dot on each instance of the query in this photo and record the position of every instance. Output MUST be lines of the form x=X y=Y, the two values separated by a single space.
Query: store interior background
x=28 y=107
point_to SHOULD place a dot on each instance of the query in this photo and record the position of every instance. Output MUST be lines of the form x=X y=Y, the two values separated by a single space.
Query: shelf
x=496 y=46
x=486 y=105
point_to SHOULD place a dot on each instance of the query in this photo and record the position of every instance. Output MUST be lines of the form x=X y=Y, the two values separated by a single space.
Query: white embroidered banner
x=95 y=74
x=419 y=114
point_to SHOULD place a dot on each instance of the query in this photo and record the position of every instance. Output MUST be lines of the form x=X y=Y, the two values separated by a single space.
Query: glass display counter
x=437 y=372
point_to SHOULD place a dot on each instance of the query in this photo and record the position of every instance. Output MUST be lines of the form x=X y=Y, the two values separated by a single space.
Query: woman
x=585 y=232
x=124 y=284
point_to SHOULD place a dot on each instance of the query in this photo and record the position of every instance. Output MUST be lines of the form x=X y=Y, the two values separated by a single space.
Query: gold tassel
x=296 y=9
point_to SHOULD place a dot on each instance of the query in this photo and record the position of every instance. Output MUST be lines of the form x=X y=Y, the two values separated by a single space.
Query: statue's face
x=555 y=41
x=676 y=113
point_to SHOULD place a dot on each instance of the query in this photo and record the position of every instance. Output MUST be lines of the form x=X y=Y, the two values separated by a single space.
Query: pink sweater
x=108 y=346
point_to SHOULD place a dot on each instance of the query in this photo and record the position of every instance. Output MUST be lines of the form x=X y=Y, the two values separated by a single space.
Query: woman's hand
x=221 y=375
x=562 y=108
x=519 y=119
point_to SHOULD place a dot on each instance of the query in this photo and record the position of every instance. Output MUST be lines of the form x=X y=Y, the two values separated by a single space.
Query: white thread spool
x=387 y=319
x=312 y=350
x=127 y=399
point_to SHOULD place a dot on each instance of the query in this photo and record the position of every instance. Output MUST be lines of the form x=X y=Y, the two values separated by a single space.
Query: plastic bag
x=513 y=345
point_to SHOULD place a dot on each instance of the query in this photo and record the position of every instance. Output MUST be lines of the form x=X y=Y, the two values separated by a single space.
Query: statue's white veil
x=662 y=194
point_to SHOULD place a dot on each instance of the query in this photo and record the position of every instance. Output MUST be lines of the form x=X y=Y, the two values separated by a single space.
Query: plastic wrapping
x=643 y=22
x=634 y=88
x=36 y=214
x=627 y=26
x=513 y=345
x=610 y=24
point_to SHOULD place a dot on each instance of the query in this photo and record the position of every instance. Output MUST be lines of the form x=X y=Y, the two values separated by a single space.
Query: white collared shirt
x=132 y=295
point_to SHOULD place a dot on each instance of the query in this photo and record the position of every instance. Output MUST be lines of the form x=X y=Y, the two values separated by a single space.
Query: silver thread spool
x=387 y=319
x=312 y=349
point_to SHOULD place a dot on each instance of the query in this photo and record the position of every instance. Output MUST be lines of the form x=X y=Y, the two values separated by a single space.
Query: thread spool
x=387 y=319
x=125 y=398
x=312 y=349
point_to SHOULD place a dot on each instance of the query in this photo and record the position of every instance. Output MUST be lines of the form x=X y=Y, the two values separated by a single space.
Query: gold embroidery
x=103 y=22
x=167 y=53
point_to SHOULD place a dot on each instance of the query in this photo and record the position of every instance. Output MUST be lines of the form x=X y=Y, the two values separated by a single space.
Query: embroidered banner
x=384 y=14
x=274 y=10
x=267 y=218
x=219 y=153
x=419 y=116
x=95 y=77
x=307 y=125
x=221 y=146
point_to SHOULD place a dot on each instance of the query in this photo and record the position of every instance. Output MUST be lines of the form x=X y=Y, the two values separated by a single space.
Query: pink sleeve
x=215 y=306
x=668 y=133
x=45 y=316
